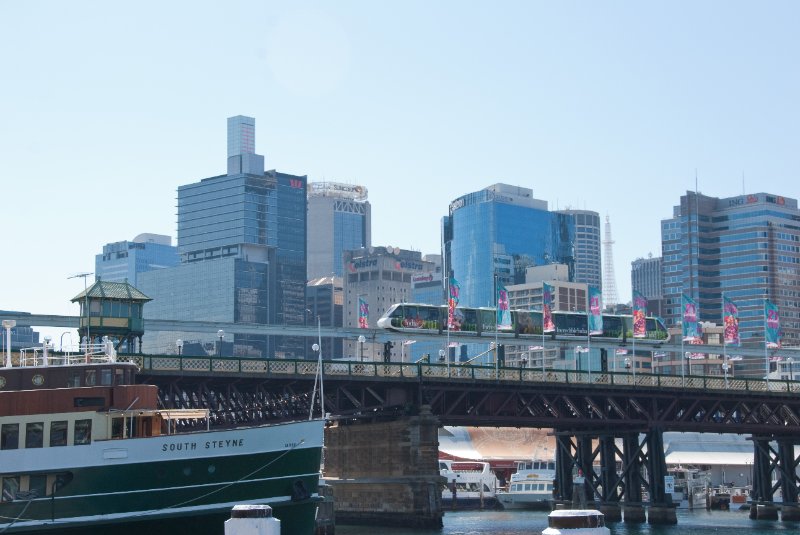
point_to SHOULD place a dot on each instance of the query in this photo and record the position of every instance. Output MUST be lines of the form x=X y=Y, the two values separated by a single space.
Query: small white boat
x=691 y=487
x=530 y=487
x=576 y=522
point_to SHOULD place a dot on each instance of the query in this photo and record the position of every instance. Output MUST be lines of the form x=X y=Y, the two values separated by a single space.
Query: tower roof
x=112 y=290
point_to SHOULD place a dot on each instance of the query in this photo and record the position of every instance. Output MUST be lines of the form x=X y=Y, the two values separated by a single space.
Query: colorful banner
x=363 y=313
x=730 y=322
x=595 y=311
x=547 y=308
x=452 y=302
x=691 y=328
x=503 y=312
x=772 y=319
x=639 y=312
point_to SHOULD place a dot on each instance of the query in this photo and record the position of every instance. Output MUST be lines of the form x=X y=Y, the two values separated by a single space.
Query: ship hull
x=188 y=480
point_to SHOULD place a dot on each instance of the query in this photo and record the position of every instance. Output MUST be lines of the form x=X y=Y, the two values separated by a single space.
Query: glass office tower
x=745 y=247
x=124 y=260
x=588 y=258
x=502 y=230
x=242 y=246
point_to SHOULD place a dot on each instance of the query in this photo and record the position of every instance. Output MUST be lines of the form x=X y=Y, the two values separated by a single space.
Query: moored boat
x=470 y=485
x=84 y=449
x=530 y=487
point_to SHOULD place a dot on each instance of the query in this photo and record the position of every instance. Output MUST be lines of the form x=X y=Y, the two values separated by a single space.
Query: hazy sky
x=107 y=107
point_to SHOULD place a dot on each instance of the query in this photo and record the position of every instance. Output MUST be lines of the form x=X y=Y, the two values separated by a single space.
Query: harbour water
x=533 y=522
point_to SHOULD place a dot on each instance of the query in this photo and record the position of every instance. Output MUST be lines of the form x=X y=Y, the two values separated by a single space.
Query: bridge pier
x=661 y=509
x=633 y=510
x=386 y=473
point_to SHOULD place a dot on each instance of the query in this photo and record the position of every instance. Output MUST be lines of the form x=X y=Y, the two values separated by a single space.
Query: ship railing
x=44 y=355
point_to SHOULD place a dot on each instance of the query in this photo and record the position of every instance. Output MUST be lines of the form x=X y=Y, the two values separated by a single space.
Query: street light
x=441 y=355
x=221 y=335
x=86 y=308
x=8 y=325
x=725 y=367
x=179 y=345
x=627 y=364
x=790 y=360
x=45 y=348
x=361 y=341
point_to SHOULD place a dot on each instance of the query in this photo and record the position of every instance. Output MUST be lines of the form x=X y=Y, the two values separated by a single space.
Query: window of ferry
x=10 y=488
x=83 y=432
x=58 y=433
x=91 y=377
x=74 y=380
x=9 y=436
x=34 y=435
x=119 y=377
x=105 y=377
x=38 y=484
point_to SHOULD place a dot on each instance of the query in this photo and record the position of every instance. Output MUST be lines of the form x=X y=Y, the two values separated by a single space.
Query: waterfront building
x=122 y=261
x=339 y=219
x=745 y=247
x=588 y=257
x=501 y=231
x=377 y=277
x=646 y=279
x=242 y=247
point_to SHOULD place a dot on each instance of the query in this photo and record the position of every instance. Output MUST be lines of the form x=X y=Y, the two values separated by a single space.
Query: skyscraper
x=123 y=260
x=588 y=257
x=745 y=247
x=338 y=220
x=502 y=230
x=646 y=279
x=242 y=244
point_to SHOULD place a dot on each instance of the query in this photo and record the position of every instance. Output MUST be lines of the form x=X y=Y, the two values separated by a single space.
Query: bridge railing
x=398 y=370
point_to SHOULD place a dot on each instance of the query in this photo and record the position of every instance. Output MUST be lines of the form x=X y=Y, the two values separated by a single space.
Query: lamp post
x=441 y=355
x=361 y=341
x=45 y=349
x=8 y=325
x=627 y=365
x=220 y=335
x=179 y=345
x=725 y=367
x=790 y=360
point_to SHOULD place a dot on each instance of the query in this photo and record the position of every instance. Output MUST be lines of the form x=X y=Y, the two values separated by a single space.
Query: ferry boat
x=690 y=487
x=576 y=522
x=84 y=449
x=470 y=485
x=530 y=487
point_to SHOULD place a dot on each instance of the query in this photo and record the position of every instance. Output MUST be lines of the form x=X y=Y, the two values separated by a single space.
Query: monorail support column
x=633 y=510
x=762 y=507
x=564 y=465
x=662 y=510
x=609 y=502
x=789 y=480
x=386 y=473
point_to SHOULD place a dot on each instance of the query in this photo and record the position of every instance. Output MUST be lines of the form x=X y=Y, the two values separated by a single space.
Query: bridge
x=598 y=418
x=590 y=414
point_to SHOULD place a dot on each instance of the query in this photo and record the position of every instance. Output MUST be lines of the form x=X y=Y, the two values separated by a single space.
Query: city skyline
x=618 y=119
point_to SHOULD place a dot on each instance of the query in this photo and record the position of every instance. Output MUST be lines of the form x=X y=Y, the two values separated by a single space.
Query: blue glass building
x=501 y=230
x=123 y=261
x=242 y=246
x=745 y=247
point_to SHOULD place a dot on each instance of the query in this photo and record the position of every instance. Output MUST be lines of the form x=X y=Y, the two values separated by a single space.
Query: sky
x=614 y=106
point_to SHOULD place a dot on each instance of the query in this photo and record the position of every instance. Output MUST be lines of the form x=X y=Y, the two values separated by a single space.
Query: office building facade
x=588 y=256
x=242 y=247
x=339 y=219
x=501 y=231
x=123 y=261
x=646 y=279
x=746 y=248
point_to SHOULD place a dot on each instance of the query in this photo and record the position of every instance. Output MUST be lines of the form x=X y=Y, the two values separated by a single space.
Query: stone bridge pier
x=386 y=473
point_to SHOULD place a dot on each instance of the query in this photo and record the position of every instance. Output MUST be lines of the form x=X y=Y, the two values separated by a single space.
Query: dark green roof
x=112 y=290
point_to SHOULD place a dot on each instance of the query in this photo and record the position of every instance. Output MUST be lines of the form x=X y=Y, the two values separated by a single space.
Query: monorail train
x=414 y=318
